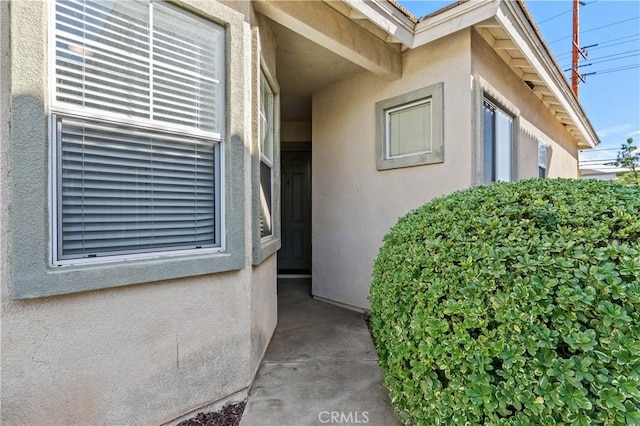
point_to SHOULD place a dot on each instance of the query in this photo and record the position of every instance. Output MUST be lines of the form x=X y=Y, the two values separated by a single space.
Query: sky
x=611 y=96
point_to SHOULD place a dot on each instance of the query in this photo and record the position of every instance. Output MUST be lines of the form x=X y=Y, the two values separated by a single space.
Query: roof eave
x=450 y=20
x=517 y=23
x=515 y=20
x=398 y=24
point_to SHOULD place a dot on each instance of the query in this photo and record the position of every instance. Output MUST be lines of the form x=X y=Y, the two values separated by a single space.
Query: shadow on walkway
x=320 y=368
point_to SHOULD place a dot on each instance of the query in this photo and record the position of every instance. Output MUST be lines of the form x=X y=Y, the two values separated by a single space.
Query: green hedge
x=515 y=304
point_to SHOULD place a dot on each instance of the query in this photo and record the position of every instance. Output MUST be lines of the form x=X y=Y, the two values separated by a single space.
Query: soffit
x=303 y=67
x=522 y=65
x=386 y=19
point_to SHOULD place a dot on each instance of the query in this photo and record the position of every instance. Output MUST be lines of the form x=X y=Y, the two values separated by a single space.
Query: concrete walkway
x=320 y=368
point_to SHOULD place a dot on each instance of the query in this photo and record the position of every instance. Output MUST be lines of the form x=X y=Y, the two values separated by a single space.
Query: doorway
x=294 y=257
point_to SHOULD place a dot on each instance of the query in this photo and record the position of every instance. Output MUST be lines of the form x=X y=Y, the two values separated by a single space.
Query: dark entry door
x=295 y=254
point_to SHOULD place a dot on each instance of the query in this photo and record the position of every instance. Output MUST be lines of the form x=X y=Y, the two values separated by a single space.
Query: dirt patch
x=229 y=415
x=367 y=319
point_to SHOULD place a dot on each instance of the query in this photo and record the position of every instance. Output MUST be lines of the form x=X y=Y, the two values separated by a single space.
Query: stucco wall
x=140 y=354
x=264 y=310
x=296 y=131
x=137 y=355
x=354 y=204
x=536 y=121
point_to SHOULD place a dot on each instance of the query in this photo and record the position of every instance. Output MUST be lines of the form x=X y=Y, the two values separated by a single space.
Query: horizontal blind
x=141 y=60
x=410 y=129
x=127 y=190
x=186 y=69
x=266 y=205
x=102 y=59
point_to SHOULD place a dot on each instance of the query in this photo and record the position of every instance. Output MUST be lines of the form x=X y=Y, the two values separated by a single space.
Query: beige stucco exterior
x=150 y=350
x=354 y=204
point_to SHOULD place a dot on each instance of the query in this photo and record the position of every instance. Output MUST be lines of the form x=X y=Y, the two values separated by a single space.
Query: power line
x=613 y=57
x=630 y=67
x=599 y=149
x=599 y=46
x=610 y=70
x=619 y=53
x=597 y=28
x=564 y=13
x=554 y=16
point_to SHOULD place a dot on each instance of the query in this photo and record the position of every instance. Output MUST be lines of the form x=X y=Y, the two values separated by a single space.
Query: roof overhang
x=508 y=28
x=519 y=43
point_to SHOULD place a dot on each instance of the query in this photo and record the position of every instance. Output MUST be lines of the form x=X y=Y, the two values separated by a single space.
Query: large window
x=266 y=135
x=497 y=144
x=409 y=129
x=138 y=127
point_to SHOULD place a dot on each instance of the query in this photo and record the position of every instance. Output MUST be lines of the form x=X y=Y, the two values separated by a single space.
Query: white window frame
x=482 y=90
x=60 y=109
x=269 y=162
x=432 y=95
x=542 y=165
x=264 y=247
x=496 y=143
x=55 y=202
x=389 y=112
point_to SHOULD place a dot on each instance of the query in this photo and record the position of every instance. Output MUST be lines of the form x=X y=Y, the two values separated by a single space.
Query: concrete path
x=321 y=367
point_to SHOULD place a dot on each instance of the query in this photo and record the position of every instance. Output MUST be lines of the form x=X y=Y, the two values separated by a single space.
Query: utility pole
x=576 y=51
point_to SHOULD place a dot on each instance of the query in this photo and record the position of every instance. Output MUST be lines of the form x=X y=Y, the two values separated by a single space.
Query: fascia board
x=455 y=19
x=399 y=27
x=513 y=23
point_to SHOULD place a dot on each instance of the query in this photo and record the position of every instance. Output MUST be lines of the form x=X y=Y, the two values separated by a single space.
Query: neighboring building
x=600 y=173
x=155 y=157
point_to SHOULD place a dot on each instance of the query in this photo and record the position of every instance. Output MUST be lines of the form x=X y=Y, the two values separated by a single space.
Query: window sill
x=59 y=280
x=267 y=247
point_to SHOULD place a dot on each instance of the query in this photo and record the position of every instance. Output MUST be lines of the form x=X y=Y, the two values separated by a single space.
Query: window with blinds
x=409 y=129
x=138 y=115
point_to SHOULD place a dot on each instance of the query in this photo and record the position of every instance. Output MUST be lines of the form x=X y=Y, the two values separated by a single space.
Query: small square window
x=409 y=129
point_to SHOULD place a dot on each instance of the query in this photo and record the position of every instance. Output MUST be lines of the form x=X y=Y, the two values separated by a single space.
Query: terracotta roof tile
x=404 y=10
